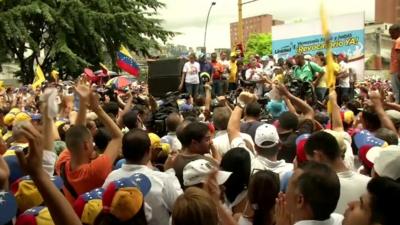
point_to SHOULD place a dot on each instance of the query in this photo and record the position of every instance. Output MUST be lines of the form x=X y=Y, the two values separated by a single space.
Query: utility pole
x=240 y=20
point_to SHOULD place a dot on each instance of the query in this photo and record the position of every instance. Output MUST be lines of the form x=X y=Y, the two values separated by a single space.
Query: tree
x=260 y=44
x=73 y=34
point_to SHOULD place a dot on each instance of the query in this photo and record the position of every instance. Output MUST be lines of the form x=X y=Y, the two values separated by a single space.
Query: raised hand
x=247 y=97
x=282 y=216
x=83 y=91
x=94 y=103
x=282 y=90
x=212 y=187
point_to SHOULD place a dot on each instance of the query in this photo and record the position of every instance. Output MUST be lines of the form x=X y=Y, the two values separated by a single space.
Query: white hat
x=266 y=132
x=197 y=171
x=387 y=163
x=374 y=152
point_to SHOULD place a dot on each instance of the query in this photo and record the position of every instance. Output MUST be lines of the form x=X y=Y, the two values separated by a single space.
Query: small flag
x=104 y=68
x=126 y=62
x=54 y=74
x=39 y=78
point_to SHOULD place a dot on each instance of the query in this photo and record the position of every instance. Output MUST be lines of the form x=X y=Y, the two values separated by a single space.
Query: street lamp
x=205 y=31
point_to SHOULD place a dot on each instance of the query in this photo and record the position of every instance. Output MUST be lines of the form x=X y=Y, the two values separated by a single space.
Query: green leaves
x=260 y=44
x=72 y=34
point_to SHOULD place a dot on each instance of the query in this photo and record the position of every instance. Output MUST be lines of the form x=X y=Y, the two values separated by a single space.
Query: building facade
x=255 y=24
x=387 y=11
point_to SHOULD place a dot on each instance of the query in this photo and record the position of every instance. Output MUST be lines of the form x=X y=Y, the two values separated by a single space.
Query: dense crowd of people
x=245 y=144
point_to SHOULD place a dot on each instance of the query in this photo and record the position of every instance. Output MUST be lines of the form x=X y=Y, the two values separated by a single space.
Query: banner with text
x=347 y=37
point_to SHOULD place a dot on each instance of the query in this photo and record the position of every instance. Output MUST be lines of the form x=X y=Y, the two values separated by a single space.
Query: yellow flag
x=39 y=77
x=55 y=74
x=125 y=51
x=330 y=76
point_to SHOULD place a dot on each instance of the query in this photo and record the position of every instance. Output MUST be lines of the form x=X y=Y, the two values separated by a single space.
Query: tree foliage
x=260 y=44
x=73 y=34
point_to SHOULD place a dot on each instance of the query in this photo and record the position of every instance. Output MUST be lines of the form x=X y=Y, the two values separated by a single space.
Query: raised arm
x=114 y=146
x=391 y=105
x=207 y=89
x=336 y=119
x=290 y=106
x=306 y=109
x=127 y=107
x=83 y=91
x=234 y=120
x=60 y=210
x=378 y=106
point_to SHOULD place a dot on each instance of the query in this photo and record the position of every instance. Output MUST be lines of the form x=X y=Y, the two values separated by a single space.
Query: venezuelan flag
x=125 y=62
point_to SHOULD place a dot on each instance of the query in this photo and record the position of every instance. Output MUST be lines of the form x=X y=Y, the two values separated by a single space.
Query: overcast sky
x=188 y=16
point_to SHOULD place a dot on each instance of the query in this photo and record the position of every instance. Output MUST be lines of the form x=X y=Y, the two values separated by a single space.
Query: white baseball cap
x=387 y=163
x=266 y=132
x=374 y=152
x=197 y=171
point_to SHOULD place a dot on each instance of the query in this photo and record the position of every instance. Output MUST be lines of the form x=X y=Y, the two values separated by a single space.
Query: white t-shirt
x=226 y=65
x=192 y=72
x=280 y=167
x=165 y=189
x=221 y=141
x=256 y=76
x=352 y=186
x=335 y=219
x=344 y=82
x=173 y=141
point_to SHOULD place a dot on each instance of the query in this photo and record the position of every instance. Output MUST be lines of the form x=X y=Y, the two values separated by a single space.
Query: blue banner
x=350 y=43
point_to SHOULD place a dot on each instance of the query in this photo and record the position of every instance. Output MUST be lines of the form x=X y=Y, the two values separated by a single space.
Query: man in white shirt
x=225 y=75
x=324 y=148
x=172 y=122
x=256 y=75
x=190 y=76
x=221 y=142
x=267 y=146
x=165 y=187
x=312 y=195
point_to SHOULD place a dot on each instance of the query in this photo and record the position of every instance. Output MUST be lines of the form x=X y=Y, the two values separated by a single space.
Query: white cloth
x=280 y=167
x=221 y=141
x=335 y=219
x=165 y=189
x=49 y=161
x=352 y=186
x=192 y=72
x=172 y=140
x=344 y=82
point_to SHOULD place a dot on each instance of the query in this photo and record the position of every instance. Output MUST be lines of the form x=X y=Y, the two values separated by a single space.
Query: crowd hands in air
x=244 y=144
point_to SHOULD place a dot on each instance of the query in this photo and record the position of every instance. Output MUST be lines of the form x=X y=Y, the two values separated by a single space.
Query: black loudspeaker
x=164 y=76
